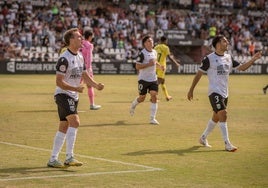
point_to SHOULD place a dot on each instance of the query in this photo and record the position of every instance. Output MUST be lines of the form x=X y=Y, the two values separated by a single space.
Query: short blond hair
x=68 y=35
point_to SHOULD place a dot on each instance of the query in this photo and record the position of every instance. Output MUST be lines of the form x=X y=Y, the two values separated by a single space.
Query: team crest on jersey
x=222 y=70
x=62 y=68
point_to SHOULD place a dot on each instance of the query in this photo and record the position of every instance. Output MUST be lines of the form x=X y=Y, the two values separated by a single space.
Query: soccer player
x=70 y=69
x=218 y=65
x=147 y=79
x=87 y=51
x=162 y=53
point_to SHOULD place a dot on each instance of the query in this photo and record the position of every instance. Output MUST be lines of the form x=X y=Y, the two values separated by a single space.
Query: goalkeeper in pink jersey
x=87 y=51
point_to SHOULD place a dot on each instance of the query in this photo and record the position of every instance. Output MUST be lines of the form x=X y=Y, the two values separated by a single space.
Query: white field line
x=147 y=168
x=77 y=175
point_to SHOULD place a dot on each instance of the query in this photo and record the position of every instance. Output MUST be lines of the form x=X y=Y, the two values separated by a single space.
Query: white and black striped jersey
x=149 y=73
x=218 y=68
x=71 y=66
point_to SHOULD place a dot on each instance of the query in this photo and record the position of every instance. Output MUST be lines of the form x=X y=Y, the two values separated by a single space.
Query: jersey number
x=159 y=56
x=217 y=99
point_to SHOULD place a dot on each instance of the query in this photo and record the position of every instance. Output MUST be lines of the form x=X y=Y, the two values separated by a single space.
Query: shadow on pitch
x=6 y=172
x=117 y=123
x=194 y=149
x=37 y=111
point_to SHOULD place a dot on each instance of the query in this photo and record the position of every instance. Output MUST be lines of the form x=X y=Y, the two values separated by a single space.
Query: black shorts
x=218 y=102
x=66 y=106
x=145 y=87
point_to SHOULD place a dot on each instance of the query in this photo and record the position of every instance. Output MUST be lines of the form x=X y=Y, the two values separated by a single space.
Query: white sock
x=210 y=126
x=135 y=102
x=58 y=143
x=154 y=107
x=224 y=132
x=70 y=141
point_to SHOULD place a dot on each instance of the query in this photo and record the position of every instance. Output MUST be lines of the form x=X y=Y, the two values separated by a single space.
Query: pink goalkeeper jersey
x=87 y=51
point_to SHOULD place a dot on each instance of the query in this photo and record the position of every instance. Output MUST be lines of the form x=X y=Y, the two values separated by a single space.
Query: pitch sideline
x=147 y=168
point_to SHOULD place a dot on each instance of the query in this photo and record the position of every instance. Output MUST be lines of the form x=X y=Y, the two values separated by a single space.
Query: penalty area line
x=147 y=168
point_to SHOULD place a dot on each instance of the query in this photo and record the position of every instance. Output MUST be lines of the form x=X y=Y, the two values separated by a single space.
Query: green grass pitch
x=121 y=151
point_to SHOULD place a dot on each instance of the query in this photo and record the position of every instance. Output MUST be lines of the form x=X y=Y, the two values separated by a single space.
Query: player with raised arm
x=218 y=65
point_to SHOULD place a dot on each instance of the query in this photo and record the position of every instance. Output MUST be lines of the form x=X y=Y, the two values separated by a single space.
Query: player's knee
x=73 y=120
x=153 y=98
x=222 y=115
x=141 y=99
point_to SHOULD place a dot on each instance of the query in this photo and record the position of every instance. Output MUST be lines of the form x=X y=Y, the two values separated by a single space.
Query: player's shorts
x=160 y=73
x=145 y=87
x=66 y=106
x=218 y=102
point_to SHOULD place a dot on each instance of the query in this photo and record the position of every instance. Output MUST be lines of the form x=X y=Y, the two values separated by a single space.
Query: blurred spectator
x=11 y=51
x=29 y=39
x=212 y=30
x=251 y=48
x=46 y=56
x=258 y=46
x=45 y=41
x=123 y=22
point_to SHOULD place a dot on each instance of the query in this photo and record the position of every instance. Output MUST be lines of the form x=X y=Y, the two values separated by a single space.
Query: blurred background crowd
x=33 y=29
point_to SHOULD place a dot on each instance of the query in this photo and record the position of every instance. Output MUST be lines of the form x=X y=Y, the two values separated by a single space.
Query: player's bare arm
x=246 y=65
x=194 y=83
x=177 y=62
x=90 y=82
x=64 y=85
x=161 y=67
x=144 y=65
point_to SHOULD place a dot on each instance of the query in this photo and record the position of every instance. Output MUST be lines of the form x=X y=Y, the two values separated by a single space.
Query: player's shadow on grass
x=117 y=123
x=37 y=111
x=194 y=149
x=6 y=172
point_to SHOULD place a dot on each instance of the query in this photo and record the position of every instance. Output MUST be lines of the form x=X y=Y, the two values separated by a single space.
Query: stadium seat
x=106 y=51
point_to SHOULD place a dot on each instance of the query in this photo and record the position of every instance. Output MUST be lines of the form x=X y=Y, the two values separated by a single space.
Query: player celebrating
x=70 y=69
x=218 y=65
x=162 y=53
x=147 y=79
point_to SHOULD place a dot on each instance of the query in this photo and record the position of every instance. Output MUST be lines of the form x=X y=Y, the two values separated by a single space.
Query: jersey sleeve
x=204 y=64
x=140 y=57
x=62 y=65
x=235 y=63
x=167 y=51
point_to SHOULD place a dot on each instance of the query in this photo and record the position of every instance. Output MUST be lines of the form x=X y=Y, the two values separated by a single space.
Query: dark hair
x=216 y=40
x=88 y=33
x=163 y=39
x=145 y=39
x=68 y=35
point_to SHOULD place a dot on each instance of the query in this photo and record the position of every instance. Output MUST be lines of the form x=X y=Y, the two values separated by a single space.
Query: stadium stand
x=31 y=28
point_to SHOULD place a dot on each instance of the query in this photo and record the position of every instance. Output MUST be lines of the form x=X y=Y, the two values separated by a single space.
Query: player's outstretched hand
x=100 y=86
